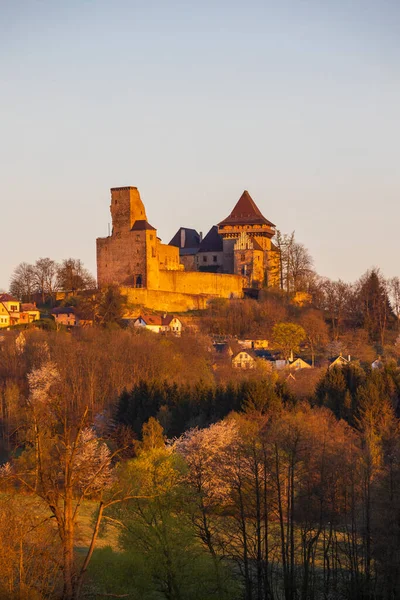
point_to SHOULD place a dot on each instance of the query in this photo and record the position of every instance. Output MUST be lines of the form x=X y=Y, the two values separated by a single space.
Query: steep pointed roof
x=186 y=237
x=213 y=242
x=246 y=212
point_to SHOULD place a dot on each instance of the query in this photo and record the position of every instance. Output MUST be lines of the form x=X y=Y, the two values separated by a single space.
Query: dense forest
x=137 y=465
x=131 y=468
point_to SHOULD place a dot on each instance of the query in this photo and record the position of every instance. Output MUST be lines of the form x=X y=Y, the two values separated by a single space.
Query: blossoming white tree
x=64 y=463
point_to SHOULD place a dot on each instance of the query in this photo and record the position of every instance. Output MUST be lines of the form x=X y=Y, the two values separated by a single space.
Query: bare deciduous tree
x=64 y=463
x=22 y=284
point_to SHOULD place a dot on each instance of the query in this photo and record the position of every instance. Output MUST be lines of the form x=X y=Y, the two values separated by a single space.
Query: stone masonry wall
x=121 y=259
x=191 y=282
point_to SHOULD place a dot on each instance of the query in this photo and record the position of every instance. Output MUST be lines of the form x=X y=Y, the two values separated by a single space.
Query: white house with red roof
x=159 y=323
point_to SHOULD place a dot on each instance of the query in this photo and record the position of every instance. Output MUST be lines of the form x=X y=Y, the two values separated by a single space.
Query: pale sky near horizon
x=296 y=101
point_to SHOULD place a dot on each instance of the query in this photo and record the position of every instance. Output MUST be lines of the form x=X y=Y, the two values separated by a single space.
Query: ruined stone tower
x=129 y=255
x=126 y=208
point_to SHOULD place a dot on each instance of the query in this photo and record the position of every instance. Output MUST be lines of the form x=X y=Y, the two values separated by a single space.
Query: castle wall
x=191 y=282
x=168 y=257
x=189 y=262
x=121 y=259
x=210 y=260
x=164 y=301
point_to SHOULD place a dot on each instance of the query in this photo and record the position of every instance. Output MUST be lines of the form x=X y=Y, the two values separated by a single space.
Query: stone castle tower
x=133 y=255
x=126 y=208
x=248 y=249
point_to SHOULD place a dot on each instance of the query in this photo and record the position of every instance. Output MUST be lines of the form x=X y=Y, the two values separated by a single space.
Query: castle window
x=137 y=237
x=153 y=252
x=242 y=257
x=139 y=281
x=151 y=236
x=204 y=258
x=214 y=258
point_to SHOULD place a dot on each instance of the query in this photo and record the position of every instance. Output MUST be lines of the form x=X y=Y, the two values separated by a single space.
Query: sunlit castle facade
x=234 y=256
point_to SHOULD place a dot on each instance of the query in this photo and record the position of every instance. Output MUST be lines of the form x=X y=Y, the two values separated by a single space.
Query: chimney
x=201 y=236
x=183 y=237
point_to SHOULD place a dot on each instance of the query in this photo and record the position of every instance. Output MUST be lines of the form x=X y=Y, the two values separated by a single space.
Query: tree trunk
x=68 y=550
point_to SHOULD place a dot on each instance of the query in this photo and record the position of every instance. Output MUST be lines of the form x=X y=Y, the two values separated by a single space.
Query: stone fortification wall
x=164 y=301
x=216 y=285
x=185 y=291
x=120 y=259
x=168 y=257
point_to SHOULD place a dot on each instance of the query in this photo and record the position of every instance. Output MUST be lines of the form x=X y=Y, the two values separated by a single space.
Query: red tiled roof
x=246 y=212
x=7 y=298
x=151 y=319
x=157 y=319
x=28 y=306
x=167 y=320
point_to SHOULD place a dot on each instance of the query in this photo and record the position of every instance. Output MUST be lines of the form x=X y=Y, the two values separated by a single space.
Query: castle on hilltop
x=235 y=256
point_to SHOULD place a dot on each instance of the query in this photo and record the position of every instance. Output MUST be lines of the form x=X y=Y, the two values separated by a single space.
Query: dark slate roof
x=142 y=225
x=212 y=242
x=246 y=212
x=191 y=239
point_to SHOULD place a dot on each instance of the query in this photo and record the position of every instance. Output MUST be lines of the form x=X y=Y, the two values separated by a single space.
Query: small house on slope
x=159 y=324
x=339 y=361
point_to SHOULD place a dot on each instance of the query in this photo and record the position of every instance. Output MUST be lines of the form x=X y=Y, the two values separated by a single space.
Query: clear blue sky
x=297 y=101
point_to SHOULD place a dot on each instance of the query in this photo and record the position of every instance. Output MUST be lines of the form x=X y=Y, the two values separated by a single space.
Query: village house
x=12 y=312
x=339 y=361
x=65 y=315
x=160 y=324
x=4 y=316
x=244 y=359
x=10 y=309
x=298 y=363
x=29 y=313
